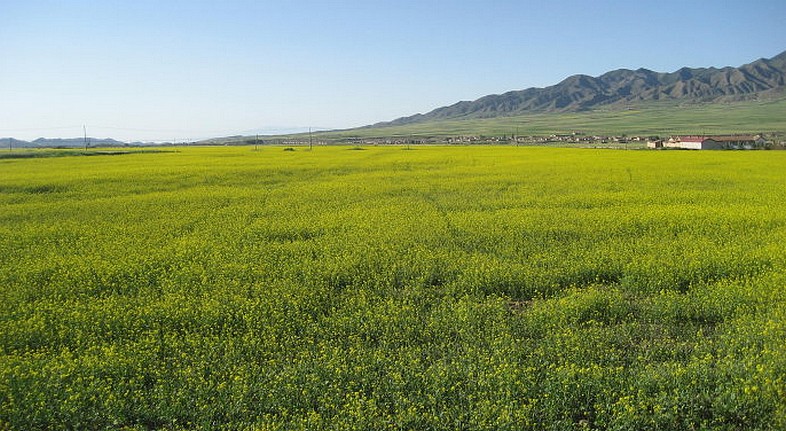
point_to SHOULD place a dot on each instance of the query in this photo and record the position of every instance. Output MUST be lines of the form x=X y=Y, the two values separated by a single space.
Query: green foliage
x=485 y=288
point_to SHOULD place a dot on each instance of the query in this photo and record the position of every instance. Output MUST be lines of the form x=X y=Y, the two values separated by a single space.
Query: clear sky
x=178 y=70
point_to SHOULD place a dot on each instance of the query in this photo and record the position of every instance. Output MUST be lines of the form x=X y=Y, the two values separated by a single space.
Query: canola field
x=437 y=288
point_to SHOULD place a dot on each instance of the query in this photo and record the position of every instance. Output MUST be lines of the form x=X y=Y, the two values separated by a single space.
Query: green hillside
x=647 y=119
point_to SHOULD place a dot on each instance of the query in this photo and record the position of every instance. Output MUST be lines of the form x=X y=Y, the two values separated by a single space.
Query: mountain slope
x=582 y=92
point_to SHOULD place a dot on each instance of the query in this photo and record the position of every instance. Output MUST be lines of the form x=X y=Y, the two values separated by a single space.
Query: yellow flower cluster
x=440 y=288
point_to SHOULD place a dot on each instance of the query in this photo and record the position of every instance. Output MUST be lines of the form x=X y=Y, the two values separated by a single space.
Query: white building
x=726 y=142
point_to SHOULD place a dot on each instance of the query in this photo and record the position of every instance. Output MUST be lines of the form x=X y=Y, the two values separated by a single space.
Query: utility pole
x=84 y=129
x=310 y=140
x=256 y=143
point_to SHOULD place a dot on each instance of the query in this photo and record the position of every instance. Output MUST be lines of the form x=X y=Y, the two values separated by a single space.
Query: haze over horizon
x=187 y=70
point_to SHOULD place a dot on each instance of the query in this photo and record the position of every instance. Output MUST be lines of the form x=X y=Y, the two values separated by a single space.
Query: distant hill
x=761 y=78
x=63 y=143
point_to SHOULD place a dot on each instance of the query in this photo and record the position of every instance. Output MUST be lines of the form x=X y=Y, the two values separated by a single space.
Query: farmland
x=439 y=288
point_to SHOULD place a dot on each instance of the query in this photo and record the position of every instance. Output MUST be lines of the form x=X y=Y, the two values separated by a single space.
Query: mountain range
x=63 y=143
x=762 y=78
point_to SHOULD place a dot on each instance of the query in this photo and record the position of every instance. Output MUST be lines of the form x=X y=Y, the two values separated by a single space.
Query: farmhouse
x=724 y=142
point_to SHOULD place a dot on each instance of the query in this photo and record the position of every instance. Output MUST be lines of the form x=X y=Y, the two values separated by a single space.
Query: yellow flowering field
x=387 y=288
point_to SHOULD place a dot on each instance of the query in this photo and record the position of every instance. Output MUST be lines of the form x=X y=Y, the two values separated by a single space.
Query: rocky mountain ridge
x=760 y=78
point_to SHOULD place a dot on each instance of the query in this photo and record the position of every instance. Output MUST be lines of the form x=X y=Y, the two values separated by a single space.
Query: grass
x=437 y=288
x=46 y=153
x=649 y=119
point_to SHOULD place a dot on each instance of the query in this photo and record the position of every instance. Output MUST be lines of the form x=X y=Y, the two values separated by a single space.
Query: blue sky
x=178 y=70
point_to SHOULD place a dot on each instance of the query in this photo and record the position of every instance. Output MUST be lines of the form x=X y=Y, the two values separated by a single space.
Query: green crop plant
x=482 y=288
